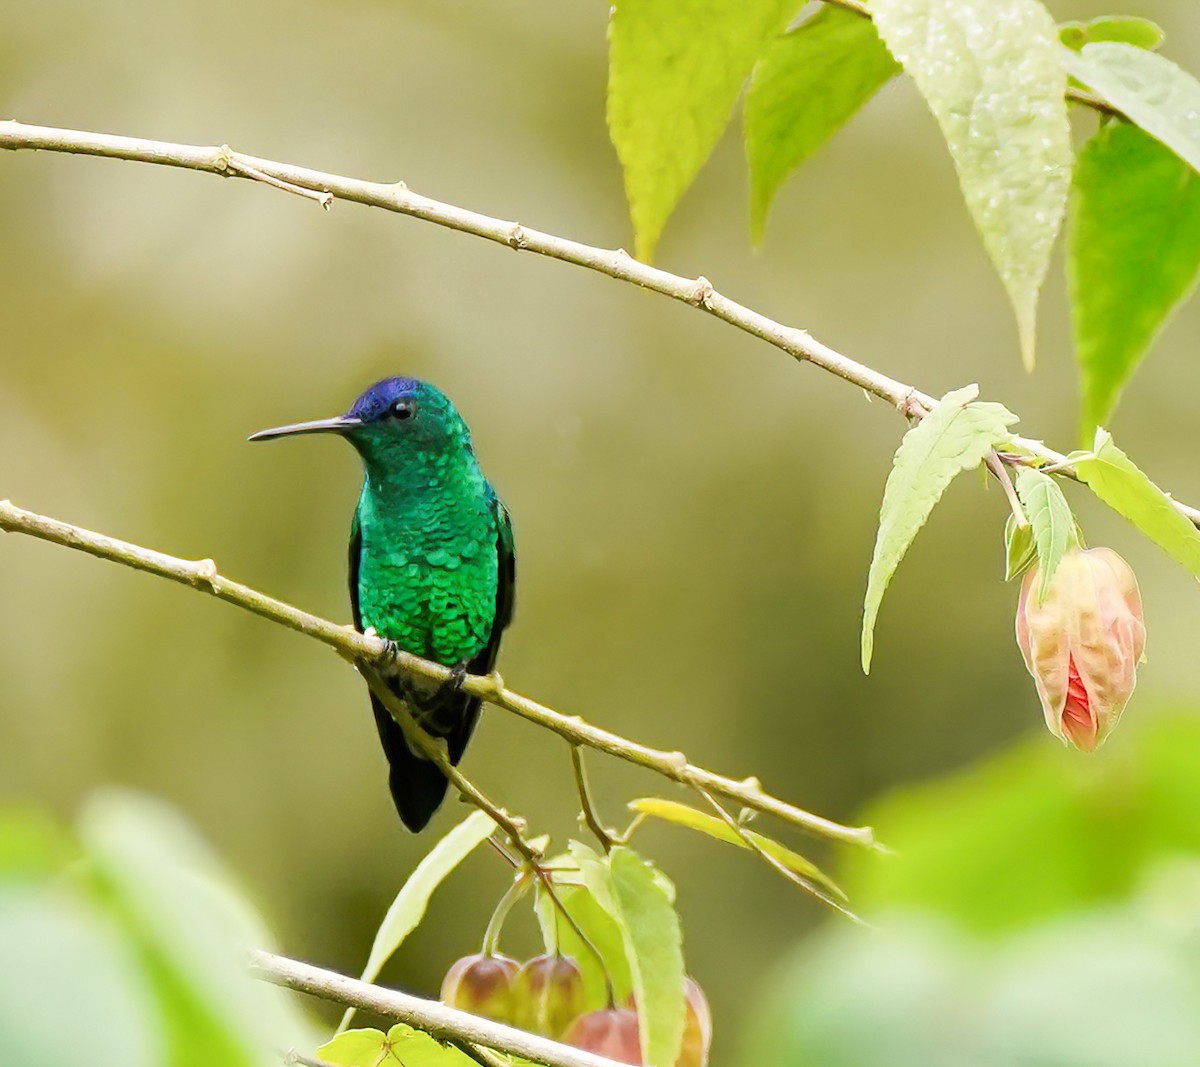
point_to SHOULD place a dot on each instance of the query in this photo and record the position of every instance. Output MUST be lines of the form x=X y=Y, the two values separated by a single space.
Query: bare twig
x=587 y=806
x=996 y=465
x=510 y=825
x=375 y=653
x=238 y=166
x=616 y=263
x=439 y=1020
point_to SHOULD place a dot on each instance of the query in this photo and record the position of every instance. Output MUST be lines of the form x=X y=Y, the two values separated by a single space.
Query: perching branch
x=616 y=263
x=374 y=654
x=436 y=1019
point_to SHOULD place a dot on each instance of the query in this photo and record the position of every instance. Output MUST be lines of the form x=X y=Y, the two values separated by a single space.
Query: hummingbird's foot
x=458 y=675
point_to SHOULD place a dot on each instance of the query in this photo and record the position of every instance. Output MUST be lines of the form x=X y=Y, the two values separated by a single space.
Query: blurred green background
x=694 y=511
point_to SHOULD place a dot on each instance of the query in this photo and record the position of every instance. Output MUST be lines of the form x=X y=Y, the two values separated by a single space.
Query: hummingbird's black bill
x=340 y=424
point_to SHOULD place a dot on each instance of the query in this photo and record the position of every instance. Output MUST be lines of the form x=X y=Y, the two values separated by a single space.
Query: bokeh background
x=694 y=511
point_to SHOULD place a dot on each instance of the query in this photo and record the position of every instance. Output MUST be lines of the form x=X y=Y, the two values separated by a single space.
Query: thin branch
x=616 y=263
x=436 y=1019
x=510 y=825
x=587 y=806
x=996 y=465
x=247 y=171
x=375 y=653
x=795 y=877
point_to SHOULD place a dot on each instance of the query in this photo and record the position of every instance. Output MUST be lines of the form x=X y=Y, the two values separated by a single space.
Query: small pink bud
x=1082 y=644
x=481 y=985
x=612 y=1032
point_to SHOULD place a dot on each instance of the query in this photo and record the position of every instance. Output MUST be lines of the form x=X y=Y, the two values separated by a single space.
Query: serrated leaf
x=408 y=909
x=1133 y=257
x=363 y=1047
x=401 y=1046
x=654 y=945
x=807 y=84
x=1116 y=480
x=1160 y=97
x=683 y=815
x=602 y=932
x=990 y=72
x=676 y=69
x=1019 y=549
x=956 y=436
x=1051 y=522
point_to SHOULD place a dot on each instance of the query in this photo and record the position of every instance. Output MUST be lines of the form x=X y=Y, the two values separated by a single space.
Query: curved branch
x=374 y=654
x=431 y=1016
x=616 y=263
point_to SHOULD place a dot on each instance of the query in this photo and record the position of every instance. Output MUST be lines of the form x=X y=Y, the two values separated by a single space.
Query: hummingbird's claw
x=458 y=675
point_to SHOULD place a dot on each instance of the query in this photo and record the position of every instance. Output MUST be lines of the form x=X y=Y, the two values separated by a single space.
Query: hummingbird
x=432 y=566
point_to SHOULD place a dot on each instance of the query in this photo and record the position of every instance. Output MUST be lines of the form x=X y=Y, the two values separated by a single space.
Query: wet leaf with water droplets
x=990 y=72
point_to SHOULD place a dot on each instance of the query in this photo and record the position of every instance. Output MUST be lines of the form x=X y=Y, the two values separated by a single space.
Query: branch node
x=752 y=783
x=206 y=574
x=495 y=685
x=677 y=761
x=911 y=407
x=223 y=159
x=702 y=293
x=516 y=237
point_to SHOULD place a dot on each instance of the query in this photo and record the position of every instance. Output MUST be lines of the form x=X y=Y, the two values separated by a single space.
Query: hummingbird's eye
x=402 y=409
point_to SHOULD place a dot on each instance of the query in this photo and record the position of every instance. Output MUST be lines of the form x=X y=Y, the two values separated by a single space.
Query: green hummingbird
x=432 y=566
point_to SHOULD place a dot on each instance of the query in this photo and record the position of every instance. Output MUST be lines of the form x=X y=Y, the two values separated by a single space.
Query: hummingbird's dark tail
x=418 y=787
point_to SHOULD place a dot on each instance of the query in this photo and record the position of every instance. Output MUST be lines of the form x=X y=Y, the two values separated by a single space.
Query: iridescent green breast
x=427 y=575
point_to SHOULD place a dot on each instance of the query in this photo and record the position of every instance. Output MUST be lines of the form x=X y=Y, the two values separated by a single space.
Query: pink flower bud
x=612 y=1033
x=1082 y=644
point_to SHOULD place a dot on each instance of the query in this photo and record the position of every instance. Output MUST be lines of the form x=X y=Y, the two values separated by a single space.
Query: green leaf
x=1116 y=480
x=71 y=988
x=654 y=945
x=33 y=847
x=1133 y=256
x=956 y=436
x=402 y=1046
x=1051 y=521
x=676 y=68
x=602 y=932
x=1129 y=29
x=683 y=815
x=1036 y=833
x=194 y=928
x=1163 y=99
x=990 y=72
x=408 y=909
x=356 y=1048
x=806 y=86
x=1126 y=29
x=1019 y=549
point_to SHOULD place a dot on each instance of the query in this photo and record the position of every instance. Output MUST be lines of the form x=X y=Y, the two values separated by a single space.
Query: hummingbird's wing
x=416 y=785
x=506 y=590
